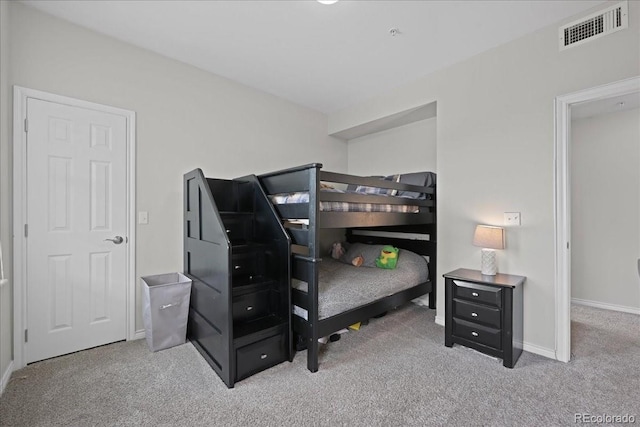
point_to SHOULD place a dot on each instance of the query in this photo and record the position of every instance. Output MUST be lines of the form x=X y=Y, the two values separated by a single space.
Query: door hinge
x=26 y=335
x=26 y=125
x=567 y=245
x=26 y=230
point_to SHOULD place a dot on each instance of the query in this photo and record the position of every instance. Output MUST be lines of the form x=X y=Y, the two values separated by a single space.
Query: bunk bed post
x=314 y=254
x=433 y=257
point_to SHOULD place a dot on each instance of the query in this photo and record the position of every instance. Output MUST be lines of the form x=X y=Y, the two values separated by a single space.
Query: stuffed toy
x=337 y=251
x=388 y=257
x=357 y=261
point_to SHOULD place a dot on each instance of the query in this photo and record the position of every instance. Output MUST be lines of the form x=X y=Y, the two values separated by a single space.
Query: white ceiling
x=325 y=57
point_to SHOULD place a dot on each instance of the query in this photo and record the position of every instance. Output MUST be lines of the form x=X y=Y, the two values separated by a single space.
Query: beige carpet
x=395 y=371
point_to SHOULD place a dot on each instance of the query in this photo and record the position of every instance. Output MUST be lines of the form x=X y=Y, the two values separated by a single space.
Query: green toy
x=388 y=257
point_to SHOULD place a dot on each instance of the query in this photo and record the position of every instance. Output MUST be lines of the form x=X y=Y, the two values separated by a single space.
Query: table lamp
x=489 y=238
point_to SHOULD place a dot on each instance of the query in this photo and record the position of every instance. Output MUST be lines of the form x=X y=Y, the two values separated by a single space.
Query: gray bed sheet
x=343 y=286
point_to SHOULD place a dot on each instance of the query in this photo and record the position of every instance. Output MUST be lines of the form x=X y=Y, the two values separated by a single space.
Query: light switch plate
x=512 y=218
x=143 y=217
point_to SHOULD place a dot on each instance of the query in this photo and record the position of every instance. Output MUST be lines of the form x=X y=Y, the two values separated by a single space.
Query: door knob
x=117 y=240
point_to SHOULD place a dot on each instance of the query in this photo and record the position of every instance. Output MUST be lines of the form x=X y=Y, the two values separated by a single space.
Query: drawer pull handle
x=263 y=356
x=475 y=294
x=474 y=314
x=249 y=308
x=474 y=333
x=237 y=267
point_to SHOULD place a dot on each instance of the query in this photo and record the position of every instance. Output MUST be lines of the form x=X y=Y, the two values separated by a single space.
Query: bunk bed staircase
x=238 y=255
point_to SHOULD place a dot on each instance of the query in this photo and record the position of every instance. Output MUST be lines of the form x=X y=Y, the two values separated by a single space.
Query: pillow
x=423 y=179
x=368 y=252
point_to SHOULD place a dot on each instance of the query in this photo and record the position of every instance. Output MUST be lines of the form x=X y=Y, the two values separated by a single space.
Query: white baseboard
x=6 y=377
x=440 y=320
x=542 y=351
x=605 y=306
x=138 y=335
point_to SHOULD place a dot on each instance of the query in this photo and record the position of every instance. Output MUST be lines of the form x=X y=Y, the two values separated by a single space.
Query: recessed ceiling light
x=327 y=1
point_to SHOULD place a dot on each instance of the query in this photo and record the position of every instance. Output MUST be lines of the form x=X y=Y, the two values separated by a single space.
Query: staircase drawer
x=245 y=264
x=251 y=306
x=238 y=228
x=258 y=356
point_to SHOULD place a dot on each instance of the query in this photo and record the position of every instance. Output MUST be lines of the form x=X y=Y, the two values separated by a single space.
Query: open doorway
x=605 y=201
x=613 y=93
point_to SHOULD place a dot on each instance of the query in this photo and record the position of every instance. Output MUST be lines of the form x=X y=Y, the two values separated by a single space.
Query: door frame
x=20 y=96
x=562 y=208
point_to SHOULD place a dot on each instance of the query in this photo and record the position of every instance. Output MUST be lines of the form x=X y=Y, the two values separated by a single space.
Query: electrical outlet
x=512 y=218
x=143 y=217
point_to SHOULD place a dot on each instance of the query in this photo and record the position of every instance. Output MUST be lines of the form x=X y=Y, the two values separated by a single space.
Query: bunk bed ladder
x=305 y=249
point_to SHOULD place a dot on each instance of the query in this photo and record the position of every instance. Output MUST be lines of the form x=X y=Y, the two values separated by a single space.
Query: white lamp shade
x=489 y=237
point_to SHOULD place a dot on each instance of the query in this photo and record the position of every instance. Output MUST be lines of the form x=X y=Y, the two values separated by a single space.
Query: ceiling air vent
x=613 y=18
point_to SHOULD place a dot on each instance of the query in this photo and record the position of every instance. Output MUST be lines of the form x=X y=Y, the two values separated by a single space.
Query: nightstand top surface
x=509 y=280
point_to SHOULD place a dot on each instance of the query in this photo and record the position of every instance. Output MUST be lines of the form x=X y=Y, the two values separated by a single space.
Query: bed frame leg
x=432 y=297
x=312 y=355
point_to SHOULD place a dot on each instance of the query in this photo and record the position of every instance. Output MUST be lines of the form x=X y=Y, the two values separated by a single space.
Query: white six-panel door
x=76 y=201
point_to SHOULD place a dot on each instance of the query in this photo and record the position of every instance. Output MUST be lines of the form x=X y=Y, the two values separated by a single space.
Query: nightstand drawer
x=477 y=313
x=477 y=333
x=477 y=293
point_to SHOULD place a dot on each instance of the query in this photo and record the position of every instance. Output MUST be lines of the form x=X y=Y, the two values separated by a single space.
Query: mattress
x=303 y=197
x=343 y=286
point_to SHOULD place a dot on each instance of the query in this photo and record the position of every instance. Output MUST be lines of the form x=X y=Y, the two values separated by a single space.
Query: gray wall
x=408 y=148
x=403 y=149
x=495 y=149
x=186 y=118
x=605 y=209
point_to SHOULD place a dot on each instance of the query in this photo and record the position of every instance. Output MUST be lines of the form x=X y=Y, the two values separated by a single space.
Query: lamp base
x=489 y=263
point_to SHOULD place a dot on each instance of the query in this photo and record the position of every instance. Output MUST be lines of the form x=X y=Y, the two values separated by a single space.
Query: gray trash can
x=165 y=309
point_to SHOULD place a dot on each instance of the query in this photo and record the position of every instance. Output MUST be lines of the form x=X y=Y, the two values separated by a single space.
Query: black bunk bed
x=413 y=230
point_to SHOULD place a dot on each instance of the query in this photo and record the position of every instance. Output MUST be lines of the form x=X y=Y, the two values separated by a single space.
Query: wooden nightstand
x=484 y=313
